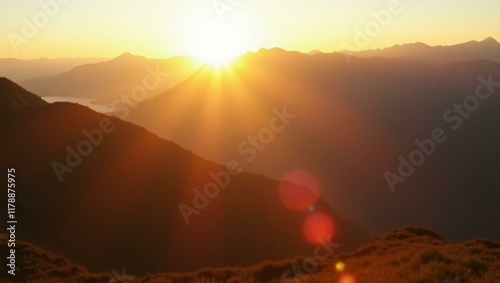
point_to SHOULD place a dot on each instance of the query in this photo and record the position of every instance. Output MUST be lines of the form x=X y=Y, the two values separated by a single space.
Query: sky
x=211 y=28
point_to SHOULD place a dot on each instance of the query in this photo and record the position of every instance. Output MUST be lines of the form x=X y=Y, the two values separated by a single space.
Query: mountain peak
x=127 y=56
x=314 y=52
x=273 y=50
x=490 y=40
x=412 y=45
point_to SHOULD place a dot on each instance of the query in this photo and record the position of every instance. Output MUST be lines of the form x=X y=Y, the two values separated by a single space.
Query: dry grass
x=403 y=255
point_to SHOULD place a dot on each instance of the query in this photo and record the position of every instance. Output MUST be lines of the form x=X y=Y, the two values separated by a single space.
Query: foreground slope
x=106 y=194
x=416 y=254
x=410 y=254
x=39 y=265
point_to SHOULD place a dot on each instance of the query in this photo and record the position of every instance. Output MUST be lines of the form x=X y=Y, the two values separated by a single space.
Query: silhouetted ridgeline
x=487 y=49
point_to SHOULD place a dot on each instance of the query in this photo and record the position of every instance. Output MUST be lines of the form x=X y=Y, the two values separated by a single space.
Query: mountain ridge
x=338 y=113
x=109 y=81
x=122 y=199
x=486 y=49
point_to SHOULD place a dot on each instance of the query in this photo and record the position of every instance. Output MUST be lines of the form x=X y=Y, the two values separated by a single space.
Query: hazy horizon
x=254 y=51
x=168 y=29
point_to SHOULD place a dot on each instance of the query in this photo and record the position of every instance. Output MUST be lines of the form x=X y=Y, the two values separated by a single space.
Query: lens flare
x=347 y=278
x=318 y=227
x=340 y=266
x=299 y=190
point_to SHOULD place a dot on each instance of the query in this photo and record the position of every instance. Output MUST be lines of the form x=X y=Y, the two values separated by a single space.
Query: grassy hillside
x=34 y=264
x=409 y=254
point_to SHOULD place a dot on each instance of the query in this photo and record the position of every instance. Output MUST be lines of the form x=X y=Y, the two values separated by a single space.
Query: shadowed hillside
x=107 y=194
x=353 y=122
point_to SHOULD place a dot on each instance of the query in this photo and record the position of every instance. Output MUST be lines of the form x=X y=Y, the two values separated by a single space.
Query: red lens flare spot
x=347 y=278
x=318 y=228
x=299 y=190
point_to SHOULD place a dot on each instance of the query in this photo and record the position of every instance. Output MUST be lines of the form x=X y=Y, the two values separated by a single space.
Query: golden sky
x=165 y=28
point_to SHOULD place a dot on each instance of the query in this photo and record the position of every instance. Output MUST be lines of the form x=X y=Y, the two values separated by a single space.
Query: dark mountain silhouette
x=119 y=203
x=15 y=100
x=387 y=258
x=353 y=121
x=21 y=70
x=487 y=49
x=112 y=79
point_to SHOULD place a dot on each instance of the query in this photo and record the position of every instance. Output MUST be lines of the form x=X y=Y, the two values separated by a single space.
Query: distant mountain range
x=354 y=122
x=117 y=201
x=124 y=78
x=488 y=49
x=98 y=79
x=21 y=70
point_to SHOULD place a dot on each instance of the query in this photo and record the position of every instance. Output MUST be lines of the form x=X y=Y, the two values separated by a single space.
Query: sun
x=216 y=43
